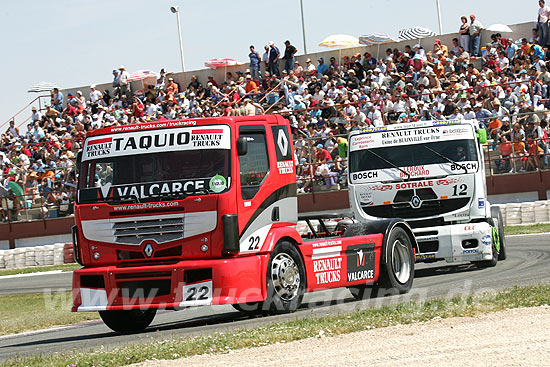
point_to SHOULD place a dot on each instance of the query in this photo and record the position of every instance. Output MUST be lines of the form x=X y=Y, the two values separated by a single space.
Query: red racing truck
x=174 y=214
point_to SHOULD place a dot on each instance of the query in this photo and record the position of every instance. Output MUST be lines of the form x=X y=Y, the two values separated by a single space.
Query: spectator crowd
x=504 y=84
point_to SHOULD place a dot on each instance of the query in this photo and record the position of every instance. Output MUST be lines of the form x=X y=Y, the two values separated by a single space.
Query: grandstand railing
x=21 y=111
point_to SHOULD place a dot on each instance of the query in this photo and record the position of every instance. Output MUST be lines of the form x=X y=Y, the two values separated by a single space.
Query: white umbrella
x=340 y=40
x=415 y=33
x=42 y=87
x=499 y=28
x=376 y=39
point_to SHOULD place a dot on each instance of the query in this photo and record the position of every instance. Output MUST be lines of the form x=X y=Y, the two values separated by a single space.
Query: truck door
x=254 y=219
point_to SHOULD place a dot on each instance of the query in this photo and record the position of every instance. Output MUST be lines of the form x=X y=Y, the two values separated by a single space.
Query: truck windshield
x=413 y=155
x=155 y=176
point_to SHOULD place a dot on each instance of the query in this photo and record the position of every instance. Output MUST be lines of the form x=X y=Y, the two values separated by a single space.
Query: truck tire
x=285 y=280
x=498 y=254
x=496 y=214
x=396 y=270
x=249 y=308
x=128 y=321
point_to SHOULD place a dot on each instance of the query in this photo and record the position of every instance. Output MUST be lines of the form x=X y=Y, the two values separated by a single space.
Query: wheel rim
x=401 y=261
x=285 y=276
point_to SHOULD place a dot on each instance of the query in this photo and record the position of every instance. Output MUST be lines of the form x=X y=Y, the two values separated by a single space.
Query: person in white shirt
x=542 y=22
x=36 y=115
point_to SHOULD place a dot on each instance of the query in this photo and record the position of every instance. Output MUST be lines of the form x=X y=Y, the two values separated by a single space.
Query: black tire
x=249 y=308
x=488 y=263
x=128 y=321
x=396 y=269
x=285 y=280
x=496 y=214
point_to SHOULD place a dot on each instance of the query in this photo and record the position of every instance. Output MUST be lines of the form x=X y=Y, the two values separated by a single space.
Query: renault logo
x=415 y=202
x=148 y=250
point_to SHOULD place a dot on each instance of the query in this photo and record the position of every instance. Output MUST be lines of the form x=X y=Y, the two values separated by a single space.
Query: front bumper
x=455 y=243
x=183 y=284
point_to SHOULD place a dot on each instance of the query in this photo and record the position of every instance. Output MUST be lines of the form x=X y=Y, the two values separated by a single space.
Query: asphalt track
x=528 y=263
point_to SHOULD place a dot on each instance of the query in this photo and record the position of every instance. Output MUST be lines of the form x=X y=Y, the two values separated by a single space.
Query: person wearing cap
x=273 y=59
x=438 y=46
x=116 y=80
x=475 y=35
x=36 y=115
x=254 y=66
x=123 y=81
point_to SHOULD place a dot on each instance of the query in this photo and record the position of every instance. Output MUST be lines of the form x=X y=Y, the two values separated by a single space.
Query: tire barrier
x=56 y=254
x=62 y=253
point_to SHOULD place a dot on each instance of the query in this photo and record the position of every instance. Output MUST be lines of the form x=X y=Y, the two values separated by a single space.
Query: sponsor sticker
x=360 y=262
x=217 y=184
x=481 y=203
x=161 y=140
x=470 y=251
x=487 y=240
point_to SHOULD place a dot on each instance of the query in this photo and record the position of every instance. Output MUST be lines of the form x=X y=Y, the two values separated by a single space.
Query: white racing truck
x=431 y=174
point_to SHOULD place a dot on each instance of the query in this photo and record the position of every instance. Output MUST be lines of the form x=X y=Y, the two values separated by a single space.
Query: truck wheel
x=249 y=308
x=128 y=321
x=496 y=214
x=488 y=263
x=286 y=279
x=397 y=269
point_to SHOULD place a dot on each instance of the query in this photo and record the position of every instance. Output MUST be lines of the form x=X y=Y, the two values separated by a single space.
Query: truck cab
x=431 y=174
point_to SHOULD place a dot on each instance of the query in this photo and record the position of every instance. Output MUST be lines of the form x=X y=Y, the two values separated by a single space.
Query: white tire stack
x=302 y=228
x=541 y=211
x=39 y=255
x=9 y=259
x=513 y=215
x=19 y=257
x=30 y=259
x=527 y=213
x=58 y=254
x=48 y=254
x=503 y=212
x=2 y=262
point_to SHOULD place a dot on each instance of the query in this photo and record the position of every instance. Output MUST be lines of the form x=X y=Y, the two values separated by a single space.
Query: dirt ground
x=518 y=337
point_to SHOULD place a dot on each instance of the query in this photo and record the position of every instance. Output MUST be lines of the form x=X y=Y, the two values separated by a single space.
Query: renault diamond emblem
x=148 y=250
x=415 y=202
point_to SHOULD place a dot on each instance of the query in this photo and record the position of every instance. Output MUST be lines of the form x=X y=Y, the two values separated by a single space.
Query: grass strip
x=36 y=269
x=529 y=228
x=403 y=313
x=23 y=312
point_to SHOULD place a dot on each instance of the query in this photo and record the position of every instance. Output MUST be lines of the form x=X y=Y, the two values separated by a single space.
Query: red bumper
x=182 y=284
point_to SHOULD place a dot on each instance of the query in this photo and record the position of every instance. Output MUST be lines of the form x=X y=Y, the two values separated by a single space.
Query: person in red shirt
x=138 y=109
x=322 y=155
x=505 y=148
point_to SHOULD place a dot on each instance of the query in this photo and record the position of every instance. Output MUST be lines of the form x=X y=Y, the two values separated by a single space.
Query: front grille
x=428 y=246
x=427 y=209
x=151 y=288
x=134 y=255
x=160 y=230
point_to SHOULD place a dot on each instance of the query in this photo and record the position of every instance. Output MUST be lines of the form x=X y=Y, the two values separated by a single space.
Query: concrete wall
x=519 y=31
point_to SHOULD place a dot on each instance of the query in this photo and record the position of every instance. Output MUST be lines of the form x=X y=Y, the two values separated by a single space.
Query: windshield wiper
x=446 y=158
x=390 y=163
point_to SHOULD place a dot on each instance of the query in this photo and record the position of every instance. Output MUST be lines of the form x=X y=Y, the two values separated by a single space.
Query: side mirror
x=481 y=136
x=242 y=145
x=78 y=161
